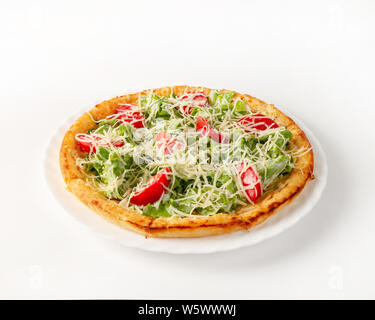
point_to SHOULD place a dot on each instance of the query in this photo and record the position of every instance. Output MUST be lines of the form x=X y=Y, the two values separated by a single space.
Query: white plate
x=282 y=220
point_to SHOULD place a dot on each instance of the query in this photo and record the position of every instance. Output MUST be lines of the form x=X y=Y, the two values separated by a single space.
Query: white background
x=314 y=59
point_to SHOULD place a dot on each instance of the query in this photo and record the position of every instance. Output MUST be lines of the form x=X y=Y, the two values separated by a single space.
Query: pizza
x=185 y=161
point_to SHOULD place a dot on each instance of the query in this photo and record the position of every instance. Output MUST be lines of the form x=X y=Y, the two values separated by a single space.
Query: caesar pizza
x=185 y=161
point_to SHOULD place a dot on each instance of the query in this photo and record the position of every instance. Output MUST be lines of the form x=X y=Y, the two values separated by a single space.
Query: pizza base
x=243 y=218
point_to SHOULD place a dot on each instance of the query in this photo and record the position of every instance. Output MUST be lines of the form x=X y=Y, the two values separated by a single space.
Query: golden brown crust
x=195 y=226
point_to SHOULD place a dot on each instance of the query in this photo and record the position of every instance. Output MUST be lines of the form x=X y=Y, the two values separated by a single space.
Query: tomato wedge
x=198 y=99
x=118 y=144
x=204 y=129
x=169 y=143
x=129 y=115
x=258 y=122
x=153 y=190
x=251 y=182
x=202 y=126
x=87 y=143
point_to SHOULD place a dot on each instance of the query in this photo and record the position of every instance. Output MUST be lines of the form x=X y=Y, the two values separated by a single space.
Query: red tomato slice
x=204 y=129
x=153 y=190
x=163 y=138
x=202 y=126
x=251 y=182
x=87 y=142
x=217 y=136
x=169 y=143
x=198 y=99
x=129 y=115
x=118 y=144
x=258 y=122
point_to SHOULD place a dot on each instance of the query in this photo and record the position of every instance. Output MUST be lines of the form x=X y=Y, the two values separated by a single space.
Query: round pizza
x=185 y=161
